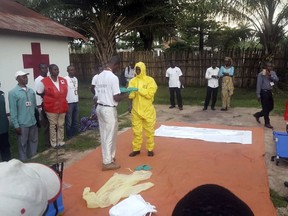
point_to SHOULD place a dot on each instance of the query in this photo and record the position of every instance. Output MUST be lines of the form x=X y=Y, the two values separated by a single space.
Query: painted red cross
x=33 y=61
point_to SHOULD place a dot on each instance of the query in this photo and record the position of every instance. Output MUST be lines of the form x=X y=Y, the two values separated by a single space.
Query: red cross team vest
x=54 y=100
x=286 y=112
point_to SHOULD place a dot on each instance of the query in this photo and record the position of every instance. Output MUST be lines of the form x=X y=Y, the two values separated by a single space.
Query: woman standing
x=227 y=72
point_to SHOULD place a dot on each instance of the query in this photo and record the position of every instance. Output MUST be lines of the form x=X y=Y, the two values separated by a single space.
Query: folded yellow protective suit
x=117 y=187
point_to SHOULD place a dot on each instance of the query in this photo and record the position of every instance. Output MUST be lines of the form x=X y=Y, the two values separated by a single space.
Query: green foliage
x=268 y=18
x=277 y=200
x=178 y=46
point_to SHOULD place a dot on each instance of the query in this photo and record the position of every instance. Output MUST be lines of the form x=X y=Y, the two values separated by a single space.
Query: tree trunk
x=201 y=39
x=147 y=38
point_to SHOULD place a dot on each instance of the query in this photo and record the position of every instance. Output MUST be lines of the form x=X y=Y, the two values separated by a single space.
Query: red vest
x=286 y=112
x=54 y=100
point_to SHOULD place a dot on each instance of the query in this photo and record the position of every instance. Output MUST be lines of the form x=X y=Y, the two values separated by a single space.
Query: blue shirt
x=223 y=70
x=265 y=82
x=22 y=106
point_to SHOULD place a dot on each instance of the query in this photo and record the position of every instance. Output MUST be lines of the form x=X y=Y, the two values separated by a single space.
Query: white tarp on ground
x=206 y=134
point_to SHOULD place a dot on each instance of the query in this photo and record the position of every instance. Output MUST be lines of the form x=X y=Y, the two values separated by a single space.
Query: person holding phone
x=265 y=81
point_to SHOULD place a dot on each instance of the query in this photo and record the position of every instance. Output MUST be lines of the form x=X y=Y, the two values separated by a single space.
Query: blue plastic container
x=281 y=142
x=52 y=211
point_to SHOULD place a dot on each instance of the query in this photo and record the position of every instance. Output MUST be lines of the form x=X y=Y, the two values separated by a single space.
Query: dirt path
x=233 y=117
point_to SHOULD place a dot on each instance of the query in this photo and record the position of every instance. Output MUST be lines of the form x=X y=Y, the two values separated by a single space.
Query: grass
x=191 y=96
x=277 y=200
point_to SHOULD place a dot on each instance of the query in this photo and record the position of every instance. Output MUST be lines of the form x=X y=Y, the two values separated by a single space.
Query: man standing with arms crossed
x=108 y=92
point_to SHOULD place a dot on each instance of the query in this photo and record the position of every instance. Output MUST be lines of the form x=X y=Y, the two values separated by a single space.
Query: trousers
x=108 y=127
x=56 y=127
x=28 y=142
x=176 y=91
x=211 y=92
x=267 y=103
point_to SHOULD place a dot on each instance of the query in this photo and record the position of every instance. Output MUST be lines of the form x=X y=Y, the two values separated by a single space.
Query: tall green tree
x=268 y=17
x=197 y=18
x=107 y=20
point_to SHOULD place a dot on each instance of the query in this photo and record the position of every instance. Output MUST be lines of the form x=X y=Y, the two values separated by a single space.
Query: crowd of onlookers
x=57 y=110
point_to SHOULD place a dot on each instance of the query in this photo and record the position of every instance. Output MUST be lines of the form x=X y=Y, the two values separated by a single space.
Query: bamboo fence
x=247 y=65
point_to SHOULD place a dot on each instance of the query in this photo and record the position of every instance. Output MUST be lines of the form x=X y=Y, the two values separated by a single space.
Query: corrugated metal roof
x=16 y=17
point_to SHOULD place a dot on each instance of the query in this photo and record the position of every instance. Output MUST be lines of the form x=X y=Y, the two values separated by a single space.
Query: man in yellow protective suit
x=143 y=111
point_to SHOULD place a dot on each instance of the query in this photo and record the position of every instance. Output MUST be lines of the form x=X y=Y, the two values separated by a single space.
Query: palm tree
x=107 y=20
x=197 y=18
x=268 y=17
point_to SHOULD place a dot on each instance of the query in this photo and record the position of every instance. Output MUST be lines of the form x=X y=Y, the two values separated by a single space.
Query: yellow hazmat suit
x=143 y=111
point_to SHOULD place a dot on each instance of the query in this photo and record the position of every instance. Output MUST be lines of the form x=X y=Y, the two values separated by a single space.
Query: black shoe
x=150 y=154
x=286 y=184
x=269 y=126
x=171 y=107
x=180 y=108
x=257 y=118
x=134 y=153
x=205 y=108
x=212 y=108
x=223 y=109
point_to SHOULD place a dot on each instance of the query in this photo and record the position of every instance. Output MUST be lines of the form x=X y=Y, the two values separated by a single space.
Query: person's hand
x=131 y=89
x=124 y=90
x=18 y=131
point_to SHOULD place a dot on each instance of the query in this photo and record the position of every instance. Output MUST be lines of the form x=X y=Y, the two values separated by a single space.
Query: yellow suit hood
x=142 y=67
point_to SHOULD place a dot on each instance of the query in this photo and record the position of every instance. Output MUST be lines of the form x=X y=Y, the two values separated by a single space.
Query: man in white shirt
x=93 y=83
x=43 y=69
x=72 y=115
x=174 y=74
x=212 y=75
x=129 y=73
x=108 y=93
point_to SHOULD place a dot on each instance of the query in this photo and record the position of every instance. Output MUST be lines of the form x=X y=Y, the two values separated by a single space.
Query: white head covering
x=27 y=188
x=20 y=73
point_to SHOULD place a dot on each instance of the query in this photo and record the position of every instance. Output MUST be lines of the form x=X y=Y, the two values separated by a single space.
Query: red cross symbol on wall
x=33 y=61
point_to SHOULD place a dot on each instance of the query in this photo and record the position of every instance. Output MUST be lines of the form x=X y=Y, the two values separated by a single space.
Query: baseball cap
x=27 y=188
x=20 y=73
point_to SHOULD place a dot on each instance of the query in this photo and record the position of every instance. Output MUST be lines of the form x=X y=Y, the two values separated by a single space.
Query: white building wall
x=12 y=47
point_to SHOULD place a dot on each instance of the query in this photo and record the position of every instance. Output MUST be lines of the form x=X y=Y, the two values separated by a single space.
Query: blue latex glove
x=124 y=90
x=143 y=167
x=131 y=89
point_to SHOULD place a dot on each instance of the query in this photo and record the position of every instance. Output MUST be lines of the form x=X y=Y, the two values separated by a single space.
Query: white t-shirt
x=129 y=73
x=72 y=94
x=212 y=82
x=37 y=82
x=94 y=83
x=40 y=86
x=107 y=85
x=174 y=74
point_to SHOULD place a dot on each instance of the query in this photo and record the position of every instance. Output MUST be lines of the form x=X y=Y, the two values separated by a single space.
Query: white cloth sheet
x=206 y=134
